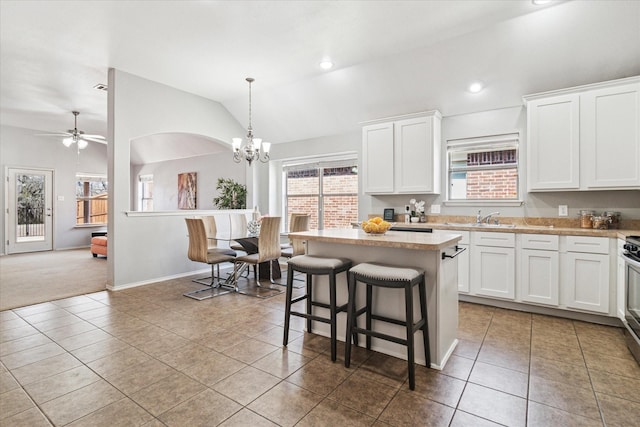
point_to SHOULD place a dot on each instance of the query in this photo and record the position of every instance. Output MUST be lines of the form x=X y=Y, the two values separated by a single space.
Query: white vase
x=415 y=219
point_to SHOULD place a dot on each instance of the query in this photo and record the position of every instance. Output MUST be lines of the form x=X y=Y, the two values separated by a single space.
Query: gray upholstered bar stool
x=312 y=266
x=380 y=275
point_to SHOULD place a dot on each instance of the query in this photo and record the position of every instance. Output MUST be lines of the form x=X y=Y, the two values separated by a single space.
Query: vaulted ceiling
x=391 y=57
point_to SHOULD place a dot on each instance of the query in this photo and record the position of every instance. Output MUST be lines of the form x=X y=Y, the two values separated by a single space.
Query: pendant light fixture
x=254 y=149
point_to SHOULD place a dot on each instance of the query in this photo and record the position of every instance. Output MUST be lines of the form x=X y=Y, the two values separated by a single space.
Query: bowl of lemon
x=376 y=226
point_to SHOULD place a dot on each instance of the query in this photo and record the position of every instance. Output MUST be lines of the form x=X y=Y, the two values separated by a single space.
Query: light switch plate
x=563 y=210
x=61 y=198
x=435 y=208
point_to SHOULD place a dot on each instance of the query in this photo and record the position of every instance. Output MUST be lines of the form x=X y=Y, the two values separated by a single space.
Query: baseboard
x=164 y=278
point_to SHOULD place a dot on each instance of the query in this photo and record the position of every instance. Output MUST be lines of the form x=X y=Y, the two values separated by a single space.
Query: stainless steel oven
x=632 y=287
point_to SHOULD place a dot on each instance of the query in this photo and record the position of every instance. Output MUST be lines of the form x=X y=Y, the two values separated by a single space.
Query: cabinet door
x=463 y=270
x=540 y=276
x=553 y=153
x=492 y=272
x=610 y=137
x=377 y=158
x=585 y=281
x=416 y=166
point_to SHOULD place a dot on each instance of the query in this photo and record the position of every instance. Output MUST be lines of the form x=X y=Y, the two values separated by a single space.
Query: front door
x=29 y=210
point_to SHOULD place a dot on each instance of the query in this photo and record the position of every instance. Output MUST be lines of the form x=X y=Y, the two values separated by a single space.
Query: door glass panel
x=30 y=206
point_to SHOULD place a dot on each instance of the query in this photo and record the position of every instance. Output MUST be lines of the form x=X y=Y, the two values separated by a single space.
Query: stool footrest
x=416 y=326
x=311 y=316
x=380 y=335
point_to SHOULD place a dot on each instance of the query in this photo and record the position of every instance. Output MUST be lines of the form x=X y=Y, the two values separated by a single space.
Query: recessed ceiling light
x=475 y=87
x=540 y=2
x=326 y=64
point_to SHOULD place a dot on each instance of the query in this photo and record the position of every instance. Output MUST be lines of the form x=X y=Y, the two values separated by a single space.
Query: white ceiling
x=392 y=57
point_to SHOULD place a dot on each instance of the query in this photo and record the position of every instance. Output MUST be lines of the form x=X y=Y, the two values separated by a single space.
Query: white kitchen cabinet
x=620 y=281
x=610 y=137
x=553 y=150
x=584 y=138
x=493 y=264
x=540 y=269
x=463 y=259
x=585 y=273
x=402 y=156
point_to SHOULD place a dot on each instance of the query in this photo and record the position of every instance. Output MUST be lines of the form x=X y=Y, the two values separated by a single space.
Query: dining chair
x=211 y=230
x=238 y=224
x=299 y=222
x=268 y=247
x=292 y=218
x=199 y=251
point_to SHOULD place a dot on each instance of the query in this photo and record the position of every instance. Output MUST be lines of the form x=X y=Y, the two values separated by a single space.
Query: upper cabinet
x=585 y=138
x=402 y=155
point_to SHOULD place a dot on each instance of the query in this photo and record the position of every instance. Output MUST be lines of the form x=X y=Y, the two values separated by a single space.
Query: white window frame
x=490 y=142
x=142 y=180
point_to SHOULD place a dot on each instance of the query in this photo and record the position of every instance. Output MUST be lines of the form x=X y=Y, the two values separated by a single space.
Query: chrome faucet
x=480 y=219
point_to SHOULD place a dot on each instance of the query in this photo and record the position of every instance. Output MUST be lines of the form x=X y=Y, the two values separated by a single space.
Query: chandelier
x=254 y=149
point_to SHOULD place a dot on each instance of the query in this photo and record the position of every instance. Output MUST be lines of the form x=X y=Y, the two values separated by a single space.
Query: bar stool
x=314 y=265
x=374 y=274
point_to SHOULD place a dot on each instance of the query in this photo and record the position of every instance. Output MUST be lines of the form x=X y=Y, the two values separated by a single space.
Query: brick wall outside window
x=492 y=184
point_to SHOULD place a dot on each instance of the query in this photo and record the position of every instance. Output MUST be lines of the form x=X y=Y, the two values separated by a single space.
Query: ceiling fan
x=75 y=136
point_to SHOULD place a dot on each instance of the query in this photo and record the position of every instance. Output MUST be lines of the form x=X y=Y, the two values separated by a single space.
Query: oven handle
x=631 y=261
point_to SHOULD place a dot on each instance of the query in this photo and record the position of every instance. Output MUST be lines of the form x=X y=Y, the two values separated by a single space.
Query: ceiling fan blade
x=53 y=134
x=84 y=135
x=100 y=141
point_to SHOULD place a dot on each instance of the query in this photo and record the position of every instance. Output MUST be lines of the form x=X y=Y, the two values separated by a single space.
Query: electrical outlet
x=563 y=210
x=435 y=209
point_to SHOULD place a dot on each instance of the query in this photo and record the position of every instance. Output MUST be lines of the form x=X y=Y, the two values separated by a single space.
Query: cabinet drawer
x=545 y=242
x=487 y=238
x=585 y=244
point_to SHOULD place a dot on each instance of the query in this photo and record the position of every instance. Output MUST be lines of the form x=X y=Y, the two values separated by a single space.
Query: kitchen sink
x=475 y=224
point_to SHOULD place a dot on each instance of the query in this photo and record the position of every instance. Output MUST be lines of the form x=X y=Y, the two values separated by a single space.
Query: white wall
x=145 y=248
x=21 y=147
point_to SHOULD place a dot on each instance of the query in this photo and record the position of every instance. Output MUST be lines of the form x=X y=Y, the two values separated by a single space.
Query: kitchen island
x=435 y=253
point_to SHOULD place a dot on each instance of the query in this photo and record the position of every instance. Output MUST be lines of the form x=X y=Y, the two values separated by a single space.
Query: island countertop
x=392 y=239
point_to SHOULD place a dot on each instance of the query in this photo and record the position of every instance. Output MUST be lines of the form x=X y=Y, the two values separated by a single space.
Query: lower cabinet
x=540 y=269
x=493 y=265
x=463 y=269
x=585 y=281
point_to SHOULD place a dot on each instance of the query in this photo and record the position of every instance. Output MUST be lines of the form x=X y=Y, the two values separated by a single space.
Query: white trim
x=194 y=212
x=157 y=279
x=483 y=202
x=566 y=91
x=434 y=113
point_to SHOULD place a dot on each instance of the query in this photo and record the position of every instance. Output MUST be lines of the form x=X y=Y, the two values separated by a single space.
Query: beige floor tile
x=329 y=412
x=501 y=379
x=45 y=368
x=285 y=404
x=615 y=385
x=62 y=383
x=618 y=412
x=559 y=352
x=7 y=382
x=139 y=376
x=515 y=360
x=167 y=393
x=122 y=413
x=66 y=331
x=544 y=416
x=119 y=361
x=13 y=402
x=463 y=419
x=626 y=367
x=81 y=402
x=320 y=376
x=187 y=355
x=468 y=349
x=363 y=395
x=205 y=408
x=17 y=333
x=246 y=385
x=100 y=349
x=250 y=350
x=559 y=394
x=29 y=418
x=458 y=367
x=432 y=385
x=35 y=354
x=409 y=409
x=245 y=417
x=494 y=405
x=281 y=363
x=571 y=374
x=214 y=369
x=84 y=339
x=222 y=340
x=24 y=343
x=47 y=316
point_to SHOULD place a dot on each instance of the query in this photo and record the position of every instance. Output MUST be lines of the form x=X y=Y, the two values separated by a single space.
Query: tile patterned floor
x=150 y=357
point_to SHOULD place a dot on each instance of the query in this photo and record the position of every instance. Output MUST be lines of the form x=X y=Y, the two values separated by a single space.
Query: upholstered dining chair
x=291 y=225
x=211 y=229
x=199 y=251
x=300 y=222
x=268 y=246
x=238 y=224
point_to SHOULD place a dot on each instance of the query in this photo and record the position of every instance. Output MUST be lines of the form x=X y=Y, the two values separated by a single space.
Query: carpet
x=36 y=277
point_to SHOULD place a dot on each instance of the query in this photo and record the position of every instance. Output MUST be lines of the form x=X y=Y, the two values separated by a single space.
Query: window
x=145 y=193
x=327 y=190
x=91 y=199
x=484 y=168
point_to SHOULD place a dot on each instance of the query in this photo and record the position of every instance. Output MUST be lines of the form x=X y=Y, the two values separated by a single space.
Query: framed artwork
x=187 y=190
